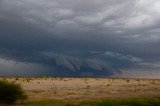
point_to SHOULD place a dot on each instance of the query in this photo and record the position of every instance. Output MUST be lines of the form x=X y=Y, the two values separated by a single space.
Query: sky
x=93 y=38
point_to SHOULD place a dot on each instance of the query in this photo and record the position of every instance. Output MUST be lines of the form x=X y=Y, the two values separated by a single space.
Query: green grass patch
x=49 y=103
x=126 y=102
x=129 y=102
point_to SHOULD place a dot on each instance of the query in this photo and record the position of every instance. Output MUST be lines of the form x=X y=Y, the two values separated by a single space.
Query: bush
x=10 y=92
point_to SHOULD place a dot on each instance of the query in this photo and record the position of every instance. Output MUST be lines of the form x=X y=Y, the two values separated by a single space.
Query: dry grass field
x=87 y=89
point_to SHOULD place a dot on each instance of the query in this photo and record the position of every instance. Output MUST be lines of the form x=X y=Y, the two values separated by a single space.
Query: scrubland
x=48 y=91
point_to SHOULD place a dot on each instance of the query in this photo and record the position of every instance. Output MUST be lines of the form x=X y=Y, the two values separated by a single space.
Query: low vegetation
x=79 y=91
x=126 y=102
x=10 y=92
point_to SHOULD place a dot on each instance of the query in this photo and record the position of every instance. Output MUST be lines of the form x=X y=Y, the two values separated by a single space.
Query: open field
x=77 y=90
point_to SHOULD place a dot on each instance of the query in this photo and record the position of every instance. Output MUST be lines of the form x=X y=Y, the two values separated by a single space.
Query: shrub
x=10 y=92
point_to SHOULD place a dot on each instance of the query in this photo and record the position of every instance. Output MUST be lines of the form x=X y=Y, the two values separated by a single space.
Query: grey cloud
x=11 y=68
x=128 y=18
x=122 y=57
x=38 y=31
x=97 y=63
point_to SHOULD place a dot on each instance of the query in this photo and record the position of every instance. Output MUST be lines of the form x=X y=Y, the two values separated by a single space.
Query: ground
x=87 y=89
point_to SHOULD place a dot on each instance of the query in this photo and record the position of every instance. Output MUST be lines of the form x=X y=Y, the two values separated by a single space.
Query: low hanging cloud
x=14 y=68
x=77 y=63
x=103 y=34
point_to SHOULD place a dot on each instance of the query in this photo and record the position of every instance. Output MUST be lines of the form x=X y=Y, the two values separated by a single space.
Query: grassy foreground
x=126 y=102
x=85 y=91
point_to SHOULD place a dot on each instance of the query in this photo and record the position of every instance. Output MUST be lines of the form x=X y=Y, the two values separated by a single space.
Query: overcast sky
x=34 y=30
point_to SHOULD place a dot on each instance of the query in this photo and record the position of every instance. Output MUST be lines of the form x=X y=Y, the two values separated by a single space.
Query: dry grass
x=87 y=88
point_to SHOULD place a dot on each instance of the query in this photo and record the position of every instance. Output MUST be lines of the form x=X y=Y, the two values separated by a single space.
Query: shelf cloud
x=78 y=35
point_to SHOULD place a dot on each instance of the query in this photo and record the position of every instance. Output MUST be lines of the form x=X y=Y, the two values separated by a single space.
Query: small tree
x=10 y=92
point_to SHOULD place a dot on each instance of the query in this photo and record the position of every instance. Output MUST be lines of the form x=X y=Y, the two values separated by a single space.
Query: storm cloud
x=76 y=35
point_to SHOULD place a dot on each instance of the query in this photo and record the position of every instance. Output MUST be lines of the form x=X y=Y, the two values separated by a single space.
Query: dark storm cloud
x=38 y=31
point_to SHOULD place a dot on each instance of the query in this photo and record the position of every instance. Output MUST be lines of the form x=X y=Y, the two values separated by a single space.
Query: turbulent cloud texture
x=79 y=37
